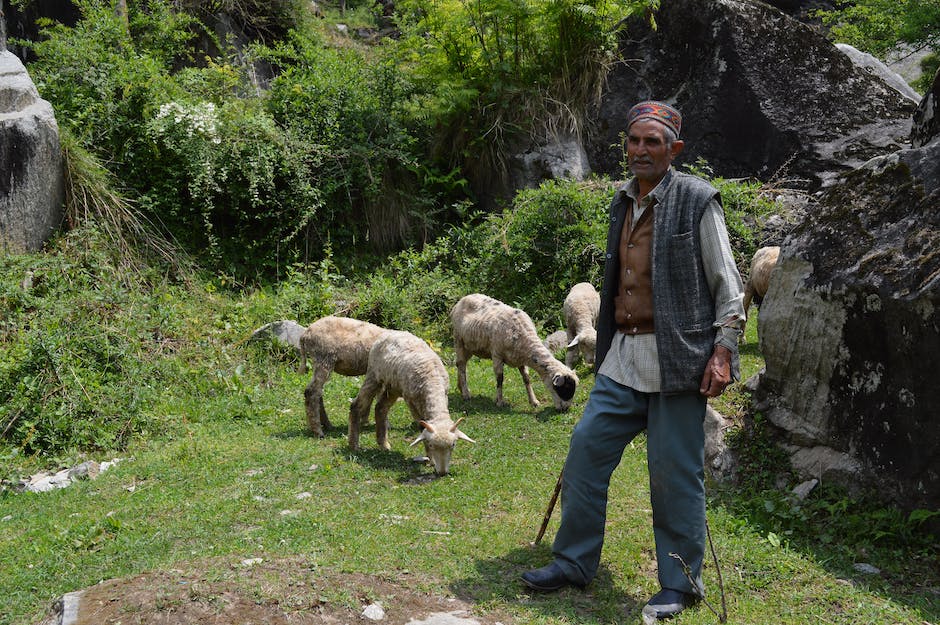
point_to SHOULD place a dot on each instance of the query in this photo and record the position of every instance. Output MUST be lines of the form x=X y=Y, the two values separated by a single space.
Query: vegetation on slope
x=202 y=207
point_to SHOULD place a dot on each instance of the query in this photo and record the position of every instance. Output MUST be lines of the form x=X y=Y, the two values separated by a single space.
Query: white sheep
x=336 y=344
x=556 y=341
x=758 y=278
x=488 y=328
x=403 y=365
x=581 y=308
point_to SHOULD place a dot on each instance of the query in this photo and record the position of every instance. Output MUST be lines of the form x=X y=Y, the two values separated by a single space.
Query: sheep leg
x=748 y=296
x=302 y=367
x=528 y=385
x=324 y=420
x=462 y=357
x=370 y=387
x=382 y=406
x=498 y=370
x=313 y=399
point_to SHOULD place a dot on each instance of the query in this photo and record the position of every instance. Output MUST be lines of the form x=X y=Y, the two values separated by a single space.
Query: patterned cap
x=660 y=111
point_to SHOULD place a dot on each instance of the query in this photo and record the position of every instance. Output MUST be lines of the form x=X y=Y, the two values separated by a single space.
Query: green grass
x=219 y=480
x=229 y=489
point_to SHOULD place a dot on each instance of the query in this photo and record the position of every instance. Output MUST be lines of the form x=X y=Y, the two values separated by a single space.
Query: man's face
x=648 y=154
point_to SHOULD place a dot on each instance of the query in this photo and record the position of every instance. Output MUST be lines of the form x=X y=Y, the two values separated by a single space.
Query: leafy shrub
x=550 y=239
x=215 y=170
x=366 y=120
x=101 y=76
x=230 y=183
x=68 y=362
x=530 y=256
x=413 y=291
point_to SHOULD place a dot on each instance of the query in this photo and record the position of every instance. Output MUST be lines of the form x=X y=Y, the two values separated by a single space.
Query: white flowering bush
x=190 y=119
x=230 y=183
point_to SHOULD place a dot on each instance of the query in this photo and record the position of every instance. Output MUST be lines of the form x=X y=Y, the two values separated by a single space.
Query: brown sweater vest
x=633 y=305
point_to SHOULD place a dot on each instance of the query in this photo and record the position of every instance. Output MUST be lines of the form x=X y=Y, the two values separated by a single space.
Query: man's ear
x=677 y=147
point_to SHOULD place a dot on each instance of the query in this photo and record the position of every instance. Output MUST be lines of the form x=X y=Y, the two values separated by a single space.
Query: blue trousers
x=675 y=432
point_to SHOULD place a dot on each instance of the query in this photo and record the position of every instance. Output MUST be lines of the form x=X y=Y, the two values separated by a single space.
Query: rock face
x=31 y=177
x=562 y=158
x=876 y=66
x=21 y=20
x=850 y=332
x=761 y=94
x=926 y=124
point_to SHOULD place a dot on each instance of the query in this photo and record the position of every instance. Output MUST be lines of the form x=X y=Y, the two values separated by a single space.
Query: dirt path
x=277 y=592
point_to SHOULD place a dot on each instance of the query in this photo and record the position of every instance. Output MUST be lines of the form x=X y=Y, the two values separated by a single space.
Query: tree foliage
x=511 y=68
x=879 y=26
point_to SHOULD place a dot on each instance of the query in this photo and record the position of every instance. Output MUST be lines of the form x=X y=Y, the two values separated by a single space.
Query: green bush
x=550 y=239
x=365 y=119
x=229 y=182
x=745 y=205
x=71 y=371
x=529 y=256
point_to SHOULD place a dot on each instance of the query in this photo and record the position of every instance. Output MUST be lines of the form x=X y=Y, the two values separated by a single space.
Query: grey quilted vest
x=683 y=304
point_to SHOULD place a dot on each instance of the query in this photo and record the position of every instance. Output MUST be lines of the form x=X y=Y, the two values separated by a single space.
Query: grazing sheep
x=582 y=305
x=758 y=279
x=336 y=344
x=556 y=341
x=488 y=328
x=402 y=365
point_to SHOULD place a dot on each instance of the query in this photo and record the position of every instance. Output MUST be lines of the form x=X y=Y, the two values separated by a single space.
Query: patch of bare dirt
x=276 y=592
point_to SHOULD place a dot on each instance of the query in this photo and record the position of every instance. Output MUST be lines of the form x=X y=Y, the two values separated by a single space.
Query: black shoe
x=547 y=579
x=667 y=603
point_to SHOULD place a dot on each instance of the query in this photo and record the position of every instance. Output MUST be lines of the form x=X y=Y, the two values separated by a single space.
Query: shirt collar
x=631 y=188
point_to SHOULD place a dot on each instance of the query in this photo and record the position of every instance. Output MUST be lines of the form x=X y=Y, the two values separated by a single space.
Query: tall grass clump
x=510 y=72
x=72 y=372
x=90 y=198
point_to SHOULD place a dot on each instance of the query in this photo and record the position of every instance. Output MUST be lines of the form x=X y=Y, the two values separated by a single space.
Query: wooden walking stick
x=551 y=507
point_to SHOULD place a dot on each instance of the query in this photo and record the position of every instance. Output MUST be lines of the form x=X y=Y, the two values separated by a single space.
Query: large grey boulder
x=561 y=157
x=762 y=94
x=31 y=178
x=850 y=332
x=284 y=331
x=873 y=64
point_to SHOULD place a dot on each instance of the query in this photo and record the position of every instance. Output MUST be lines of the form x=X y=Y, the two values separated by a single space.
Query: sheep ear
x=575 y=341
x=464 y=437
x=420 y=438
x=427 y=426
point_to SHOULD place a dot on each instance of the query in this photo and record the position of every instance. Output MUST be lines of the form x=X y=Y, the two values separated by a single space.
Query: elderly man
x=671 y=313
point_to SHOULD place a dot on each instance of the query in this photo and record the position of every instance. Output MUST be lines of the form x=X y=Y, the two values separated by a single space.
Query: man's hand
x=717 y=372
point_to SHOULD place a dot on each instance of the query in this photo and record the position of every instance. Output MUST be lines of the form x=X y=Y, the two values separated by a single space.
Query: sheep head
x=439 y=442
x=586 y=342
x=563 y=384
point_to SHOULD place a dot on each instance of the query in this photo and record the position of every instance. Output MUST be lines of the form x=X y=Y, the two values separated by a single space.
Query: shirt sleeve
x=722 y=276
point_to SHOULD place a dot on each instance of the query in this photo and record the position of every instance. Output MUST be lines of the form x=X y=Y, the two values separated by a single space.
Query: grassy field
x=224 y=488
